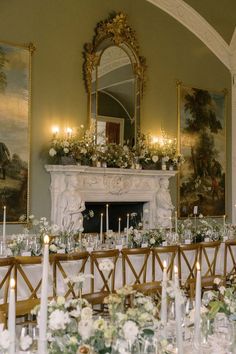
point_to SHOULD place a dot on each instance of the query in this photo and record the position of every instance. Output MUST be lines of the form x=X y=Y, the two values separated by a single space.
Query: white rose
x=66 y=150
x=222 y=290
x=217 y=281
x=53 y=248
x=86 y=313
x=155 y=158
x=148 y=306
x=131 y=331
x=60 y=300
x=85 y=328
x=152 y=241
x=52 y=152
x=73 y=340
x=58 y=320
x=100 y=324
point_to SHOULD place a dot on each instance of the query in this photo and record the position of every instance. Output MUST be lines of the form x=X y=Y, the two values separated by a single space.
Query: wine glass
x=37 y=248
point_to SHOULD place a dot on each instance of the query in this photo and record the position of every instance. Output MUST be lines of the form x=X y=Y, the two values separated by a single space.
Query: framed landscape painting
x=15 y=91
x=202 y=142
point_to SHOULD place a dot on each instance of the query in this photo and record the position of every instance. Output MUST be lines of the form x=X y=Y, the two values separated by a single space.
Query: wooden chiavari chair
x=208 y=258
x=230 y=259
x=138 y=277
x=6 y=272
x=188 y=256
x=32 y=298
x=59 y=262
x=106 y=282
x=159 y=254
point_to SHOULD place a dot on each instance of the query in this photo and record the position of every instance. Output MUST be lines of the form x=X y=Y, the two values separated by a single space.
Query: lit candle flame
x=164 y=264
x=176 y=269
x=198 y=266
x=46 y=240
x=12 y=283
x=55 y=130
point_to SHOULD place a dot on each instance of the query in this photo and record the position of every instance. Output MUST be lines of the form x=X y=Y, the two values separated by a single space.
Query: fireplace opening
x=116 y=210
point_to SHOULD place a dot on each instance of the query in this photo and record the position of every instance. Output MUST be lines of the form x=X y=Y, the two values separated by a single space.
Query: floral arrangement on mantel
x=145 y=154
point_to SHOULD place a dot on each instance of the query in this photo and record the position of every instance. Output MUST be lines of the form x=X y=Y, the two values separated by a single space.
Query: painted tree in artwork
x=204 y=122
x=203 y=181
x=3 y=78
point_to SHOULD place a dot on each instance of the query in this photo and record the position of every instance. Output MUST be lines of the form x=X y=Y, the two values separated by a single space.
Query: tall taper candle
x=224 y=217
x=4 y=225
x=101 y=228
x=178 y=317
x=176 y=222
x=12 y=317
x=127 y=225
x=42 y=342
x=164 y=296
x=107 y=217
x=197 y=313
x=119 y=221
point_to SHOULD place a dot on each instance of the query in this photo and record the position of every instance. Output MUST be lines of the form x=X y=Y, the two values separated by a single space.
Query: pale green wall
x=59 y=29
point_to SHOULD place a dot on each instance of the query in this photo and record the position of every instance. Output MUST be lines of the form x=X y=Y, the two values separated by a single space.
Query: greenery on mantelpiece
x=82 y=150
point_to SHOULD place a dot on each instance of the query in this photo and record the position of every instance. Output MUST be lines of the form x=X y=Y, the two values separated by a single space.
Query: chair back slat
x=128 y=256
x=59 y=264
x=21 y=264
x=230 y=258
x=159 y=254
x=188 y=256
x=209 y=252
x=96 y=257
x=6 y=269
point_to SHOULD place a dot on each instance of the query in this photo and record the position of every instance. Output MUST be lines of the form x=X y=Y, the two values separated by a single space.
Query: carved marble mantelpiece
x=108 y=185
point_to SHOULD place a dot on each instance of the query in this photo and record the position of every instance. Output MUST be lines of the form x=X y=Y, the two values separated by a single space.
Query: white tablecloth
x=34 y=273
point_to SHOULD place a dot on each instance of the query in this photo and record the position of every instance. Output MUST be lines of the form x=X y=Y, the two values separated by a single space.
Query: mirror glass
x=114 y=75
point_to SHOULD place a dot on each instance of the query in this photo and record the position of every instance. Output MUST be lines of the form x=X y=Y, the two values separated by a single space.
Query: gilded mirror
x=114 y=75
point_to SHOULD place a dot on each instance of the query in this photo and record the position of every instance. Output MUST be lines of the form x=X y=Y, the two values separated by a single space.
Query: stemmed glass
x=36 y=247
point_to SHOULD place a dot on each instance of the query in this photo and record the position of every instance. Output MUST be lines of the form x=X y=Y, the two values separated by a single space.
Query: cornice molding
x=195 y=23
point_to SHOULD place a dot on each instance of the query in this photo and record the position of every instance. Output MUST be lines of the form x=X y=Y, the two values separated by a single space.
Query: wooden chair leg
x=3 y=318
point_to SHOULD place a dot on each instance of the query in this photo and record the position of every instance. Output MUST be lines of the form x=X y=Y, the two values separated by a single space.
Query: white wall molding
x=196 y=24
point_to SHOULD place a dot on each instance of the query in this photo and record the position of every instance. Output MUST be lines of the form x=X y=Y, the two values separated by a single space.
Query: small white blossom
x=52 y=152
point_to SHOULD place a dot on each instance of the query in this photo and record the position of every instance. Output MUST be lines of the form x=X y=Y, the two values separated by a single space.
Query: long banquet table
x=71 y=267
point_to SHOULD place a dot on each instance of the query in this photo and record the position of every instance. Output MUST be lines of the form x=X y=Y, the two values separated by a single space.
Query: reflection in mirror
x=114 y=77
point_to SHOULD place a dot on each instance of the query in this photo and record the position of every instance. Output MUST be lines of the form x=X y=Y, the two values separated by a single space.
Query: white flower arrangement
x=4 y=339
x=72 y=328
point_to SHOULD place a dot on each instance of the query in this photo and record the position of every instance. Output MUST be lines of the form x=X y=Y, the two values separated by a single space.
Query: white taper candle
x=178 y=317
x=107 y=217
x=12 y=317
x=197 y=313
x=101 y=228
x=42 y=342
x=119 y=222
x=164 y=296
x=4 y=225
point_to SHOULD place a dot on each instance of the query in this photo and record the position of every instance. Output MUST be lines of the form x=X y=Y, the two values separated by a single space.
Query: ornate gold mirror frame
x=113 y=32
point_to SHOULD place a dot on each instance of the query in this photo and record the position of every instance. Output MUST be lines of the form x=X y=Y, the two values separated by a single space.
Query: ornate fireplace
x=109 y=185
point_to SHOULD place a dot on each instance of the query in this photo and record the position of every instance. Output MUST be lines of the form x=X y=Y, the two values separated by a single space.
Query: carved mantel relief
x=110 y=185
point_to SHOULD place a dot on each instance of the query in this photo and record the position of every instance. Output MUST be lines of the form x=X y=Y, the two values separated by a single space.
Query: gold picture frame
x=202 y=142
x=15 y=114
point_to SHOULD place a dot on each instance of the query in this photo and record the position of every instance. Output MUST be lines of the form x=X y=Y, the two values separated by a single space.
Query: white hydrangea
x=58 y=320
x=130 y=330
